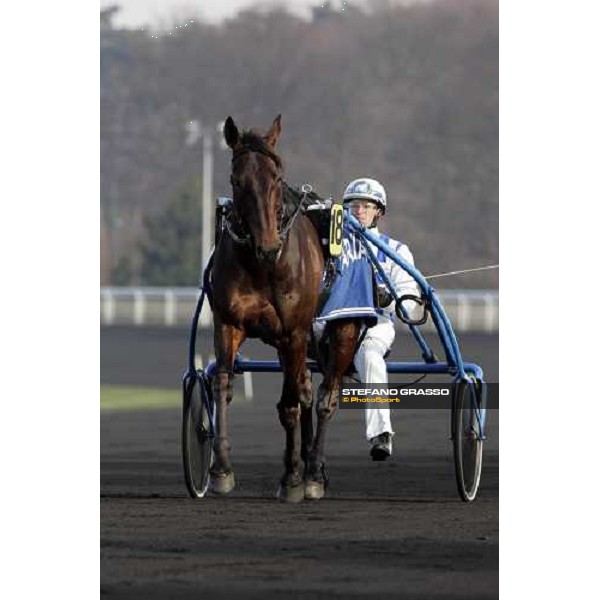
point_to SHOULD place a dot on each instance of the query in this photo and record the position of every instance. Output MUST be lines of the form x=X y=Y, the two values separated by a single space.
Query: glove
x=384 y=298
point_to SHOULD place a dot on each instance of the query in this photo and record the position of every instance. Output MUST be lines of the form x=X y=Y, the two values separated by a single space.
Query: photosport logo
x=417 y=395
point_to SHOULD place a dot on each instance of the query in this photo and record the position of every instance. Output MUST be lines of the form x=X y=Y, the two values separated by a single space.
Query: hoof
x=314 y=490
x=292 y=494
x=222 y=483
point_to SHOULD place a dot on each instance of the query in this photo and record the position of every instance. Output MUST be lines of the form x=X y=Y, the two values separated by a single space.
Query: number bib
x=336 y=229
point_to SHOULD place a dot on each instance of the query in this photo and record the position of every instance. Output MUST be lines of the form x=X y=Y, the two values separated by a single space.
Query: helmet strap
x=376 y=219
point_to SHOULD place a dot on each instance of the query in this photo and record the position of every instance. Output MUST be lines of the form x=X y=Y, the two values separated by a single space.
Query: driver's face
x=364 y=211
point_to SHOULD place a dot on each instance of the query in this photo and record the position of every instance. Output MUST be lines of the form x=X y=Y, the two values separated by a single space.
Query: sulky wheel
x=467 y=435
x=197 y=434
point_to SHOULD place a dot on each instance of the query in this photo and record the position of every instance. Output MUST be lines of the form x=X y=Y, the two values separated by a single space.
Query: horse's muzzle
x=268 y=256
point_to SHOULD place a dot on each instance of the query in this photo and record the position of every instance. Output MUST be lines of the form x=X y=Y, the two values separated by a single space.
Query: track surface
x=394 y=528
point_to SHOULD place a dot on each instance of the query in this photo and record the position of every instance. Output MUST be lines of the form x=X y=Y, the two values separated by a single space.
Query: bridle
x=282 y=229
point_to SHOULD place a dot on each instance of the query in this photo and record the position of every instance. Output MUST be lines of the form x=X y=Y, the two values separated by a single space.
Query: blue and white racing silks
x=352 y=290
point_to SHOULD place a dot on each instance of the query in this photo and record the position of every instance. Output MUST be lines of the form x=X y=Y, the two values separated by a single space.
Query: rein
x=486 y=268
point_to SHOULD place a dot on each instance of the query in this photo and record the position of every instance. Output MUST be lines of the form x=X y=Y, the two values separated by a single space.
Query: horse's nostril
x=269 y=256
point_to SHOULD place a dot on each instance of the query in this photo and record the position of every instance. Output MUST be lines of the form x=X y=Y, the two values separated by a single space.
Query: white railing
x=468 y=310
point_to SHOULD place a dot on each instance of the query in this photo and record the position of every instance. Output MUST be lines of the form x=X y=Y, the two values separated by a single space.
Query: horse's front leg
x=306 y=421
x=343 y=337
x=227 y=342
x=293 y=408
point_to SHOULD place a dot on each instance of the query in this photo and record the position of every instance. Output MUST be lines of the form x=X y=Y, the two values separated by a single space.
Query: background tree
x=170 y=251
x=405 y=94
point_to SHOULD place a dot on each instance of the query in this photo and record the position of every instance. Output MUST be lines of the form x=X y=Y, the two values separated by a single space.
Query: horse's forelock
x=250 y=140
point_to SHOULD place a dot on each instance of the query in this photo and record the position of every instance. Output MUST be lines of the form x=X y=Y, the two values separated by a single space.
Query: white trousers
x=371 y=367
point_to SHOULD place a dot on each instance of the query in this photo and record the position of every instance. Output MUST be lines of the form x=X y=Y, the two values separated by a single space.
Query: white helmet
x=366 y=189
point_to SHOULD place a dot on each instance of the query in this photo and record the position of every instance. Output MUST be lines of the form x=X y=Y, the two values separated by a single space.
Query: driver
x=366 y=199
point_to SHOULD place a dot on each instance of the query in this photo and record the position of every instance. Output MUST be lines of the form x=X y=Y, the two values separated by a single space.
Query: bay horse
x=265 y=280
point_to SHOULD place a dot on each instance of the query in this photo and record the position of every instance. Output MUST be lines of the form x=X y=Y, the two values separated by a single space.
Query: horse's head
x=256 y=179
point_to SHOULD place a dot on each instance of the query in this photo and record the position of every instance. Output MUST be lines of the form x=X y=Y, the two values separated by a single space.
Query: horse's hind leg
x=296 y=398
x=227 y=342
x=343 y=339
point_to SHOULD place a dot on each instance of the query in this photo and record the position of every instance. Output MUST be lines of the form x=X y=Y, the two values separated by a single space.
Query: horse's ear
x=231 y=133
x=272 y=135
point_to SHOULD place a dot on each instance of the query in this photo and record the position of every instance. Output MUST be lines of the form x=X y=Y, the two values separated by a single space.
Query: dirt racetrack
x=393 y=529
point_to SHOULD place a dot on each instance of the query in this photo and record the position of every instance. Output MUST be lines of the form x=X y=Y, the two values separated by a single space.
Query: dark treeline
x=404 y=94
